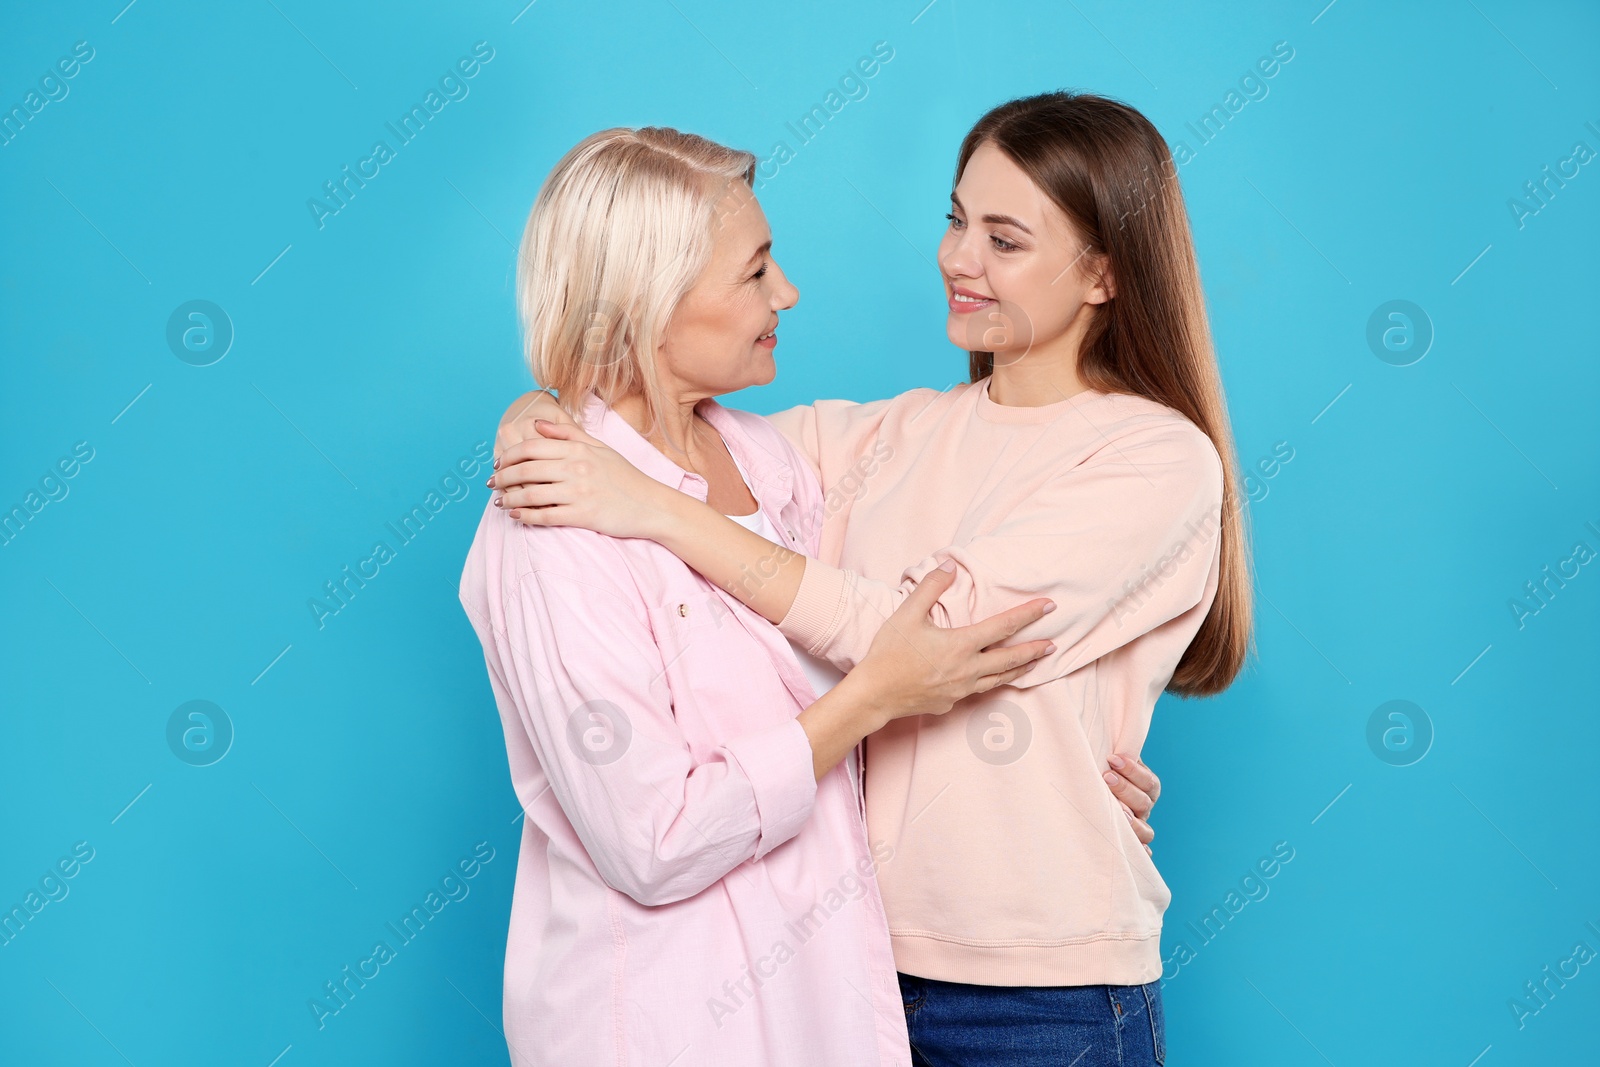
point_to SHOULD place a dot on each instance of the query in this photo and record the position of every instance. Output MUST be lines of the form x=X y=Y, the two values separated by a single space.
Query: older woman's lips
x=769 y=341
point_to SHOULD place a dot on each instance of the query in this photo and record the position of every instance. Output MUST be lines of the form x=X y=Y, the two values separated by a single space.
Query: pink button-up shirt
x=687 y=893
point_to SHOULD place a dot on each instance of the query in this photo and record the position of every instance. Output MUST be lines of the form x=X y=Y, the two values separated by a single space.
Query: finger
x=538 y=404
x=532 y=448
x=1007 y=657
x=986 y=684
x=533 y=496
x=996 y=628
x=1142 y=777
x=1130 y=795
x=529 y=472
x=560 y=431
x=517 y=422
x=926 y=594
x=1141 y=829
x=551 y=516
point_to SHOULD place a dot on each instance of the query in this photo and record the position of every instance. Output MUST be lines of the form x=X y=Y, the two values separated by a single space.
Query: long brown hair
x=1107 y=167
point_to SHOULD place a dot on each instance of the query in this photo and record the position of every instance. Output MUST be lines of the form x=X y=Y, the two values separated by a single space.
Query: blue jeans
x=957 y=1025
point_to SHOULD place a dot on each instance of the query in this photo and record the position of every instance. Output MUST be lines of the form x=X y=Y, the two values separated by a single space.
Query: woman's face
x=722 y=334
x=1016 y=271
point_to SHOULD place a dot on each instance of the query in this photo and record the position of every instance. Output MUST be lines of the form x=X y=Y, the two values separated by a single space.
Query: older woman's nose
x=785 y=295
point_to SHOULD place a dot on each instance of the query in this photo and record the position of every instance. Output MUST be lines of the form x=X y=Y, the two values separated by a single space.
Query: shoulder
x=1139 y=430
x=507 y=556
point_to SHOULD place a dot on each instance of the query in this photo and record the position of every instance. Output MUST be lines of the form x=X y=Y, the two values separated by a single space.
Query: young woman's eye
x=1002 y=244
x=955 y=223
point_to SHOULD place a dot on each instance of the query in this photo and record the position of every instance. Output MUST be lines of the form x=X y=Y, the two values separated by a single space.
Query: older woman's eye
x=762 y=273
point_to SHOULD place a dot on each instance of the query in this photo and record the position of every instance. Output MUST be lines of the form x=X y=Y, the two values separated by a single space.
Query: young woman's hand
x=915 y=667
x=1137 y=789
x=516 y=425
x=564 y=477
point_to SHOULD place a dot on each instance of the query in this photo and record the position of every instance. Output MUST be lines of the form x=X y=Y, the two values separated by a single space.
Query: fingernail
x=497 y=503
x=1049 y=647
x=490 y=482
x=1118 y=762
x=497 y=463
x=948 y=565
x=1110 y=778
x=1048 y=608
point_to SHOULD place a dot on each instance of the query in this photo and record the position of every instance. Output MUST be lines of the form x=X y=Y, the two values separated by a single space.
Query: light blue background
x=372 y=354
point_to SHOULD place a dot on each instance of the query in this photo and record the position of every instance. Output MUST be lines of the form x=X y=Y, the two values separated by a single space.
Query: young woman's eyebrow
x=998 y=220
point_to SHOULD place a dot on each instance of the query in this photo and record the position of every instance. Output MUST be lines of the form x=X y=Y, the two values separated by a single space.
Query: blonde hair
x=618 y=234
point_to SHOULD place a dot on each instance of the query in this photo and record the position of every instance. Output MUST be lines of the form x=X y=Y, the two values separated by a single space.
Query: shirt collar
x=771 y=476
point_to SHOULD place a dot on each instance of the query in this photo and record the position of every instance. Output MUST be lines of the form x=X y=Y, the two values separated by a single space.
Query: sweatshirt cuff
x=778 y=765
x=818 y=607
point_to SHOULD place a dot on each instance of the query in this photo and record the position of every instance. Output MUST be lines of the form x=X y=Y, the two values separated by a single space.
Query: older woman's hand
x=564 y=477
x=916 y=667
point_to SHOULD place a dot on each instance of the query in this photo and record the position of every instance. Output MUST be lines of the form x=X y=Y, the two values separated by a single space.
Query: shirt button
x=683 y=610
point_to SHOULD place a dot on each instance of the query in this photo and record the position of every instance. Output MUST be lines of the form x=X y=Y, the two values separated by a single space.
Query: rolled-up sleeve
x=1122 y=543
x=586 y=675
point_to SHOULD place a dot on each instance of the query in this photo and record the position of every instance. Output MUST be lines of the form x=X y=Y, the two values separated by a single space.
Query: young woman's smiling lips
x=965 y=301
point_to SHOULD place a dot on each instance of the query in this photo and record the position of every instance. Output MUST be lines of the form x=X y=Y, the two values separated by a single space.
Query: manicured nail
x=948 y=565
x=497 y=503
x=1110 y=778
x=1049 y=647
x=497 y=463
x=490 y=482
x=1118 y=762
x=1048 y=608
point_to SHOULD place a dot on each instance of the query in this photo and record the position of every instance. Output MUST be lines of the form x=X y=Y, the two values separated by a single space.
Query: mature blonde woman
x=695 y=884
x=1088 y=460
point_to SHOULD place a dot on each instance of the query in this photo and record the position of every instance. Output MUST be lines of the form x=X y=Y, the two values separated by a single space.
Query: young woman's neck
x=1045 y=374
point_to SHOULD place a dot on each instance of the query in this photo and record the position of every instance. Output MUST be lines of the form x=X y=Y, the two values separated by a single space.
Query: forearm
x=762 y=575
x=837 y=721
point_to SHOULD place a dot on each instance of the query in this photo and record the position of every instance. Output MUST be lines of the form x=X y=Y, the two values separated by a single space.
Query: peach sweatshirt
x=1013 y=864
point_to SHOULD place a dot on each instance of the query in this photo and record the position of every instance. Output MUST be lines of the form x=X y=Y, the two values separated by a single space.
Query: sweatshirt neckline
x=990 y=411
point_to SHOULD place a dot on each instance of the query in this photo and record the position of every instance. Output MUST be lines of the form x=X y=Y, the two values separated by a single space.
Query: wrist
x=871 y=705
x=663 y=512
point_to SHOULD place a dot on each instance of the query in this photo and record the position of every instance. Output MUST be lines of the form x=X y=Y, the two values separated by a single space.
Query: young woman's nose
x=957 y=259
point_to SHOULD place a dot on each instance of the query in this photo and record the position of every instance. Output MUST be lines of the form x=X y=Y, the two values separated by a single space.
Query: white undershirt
x=822 y=675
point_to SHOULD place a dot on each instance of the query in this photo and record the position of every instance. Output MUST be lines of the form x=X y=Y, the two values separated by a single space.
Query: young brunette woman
x=1089 y=460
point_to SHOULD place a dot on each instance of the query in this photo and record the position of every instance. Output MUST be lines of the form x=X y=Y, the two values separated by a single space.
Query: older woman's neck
x=675 y=434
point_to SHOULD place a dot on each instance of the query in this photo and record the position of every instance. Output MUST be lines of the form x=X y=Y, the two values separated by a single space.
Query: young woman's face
x=1016 y=271
x=722 y=334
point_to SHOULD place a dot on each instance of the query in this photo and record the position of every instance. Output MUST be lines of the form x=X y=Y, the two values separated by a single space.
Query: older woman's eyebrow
x=760 y=252
x=999 y=220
